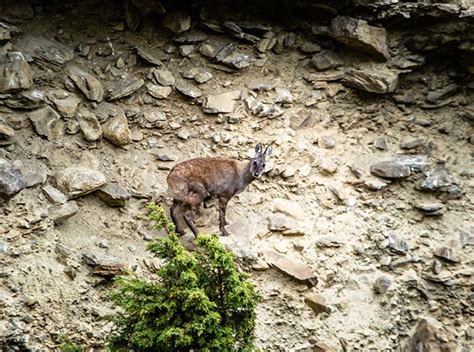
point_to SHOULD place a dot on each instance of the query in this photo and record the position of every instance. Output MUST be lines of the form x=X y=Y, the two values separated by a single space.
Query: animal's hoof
x=225 y=233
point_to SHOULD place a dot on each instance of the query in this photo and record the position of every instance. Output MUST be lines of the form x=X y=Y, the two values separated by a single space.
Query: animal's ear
x=258 y=148
x=269 y=150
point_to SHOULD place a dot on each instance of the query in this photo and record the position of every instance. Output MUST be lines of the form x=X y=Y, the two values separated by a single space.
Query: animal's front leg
x=222 y=220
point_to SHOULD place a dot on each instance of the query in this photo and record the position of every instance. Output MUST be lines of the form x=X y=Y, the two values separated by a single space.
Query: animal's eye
x=264 y=165
x=255 y=163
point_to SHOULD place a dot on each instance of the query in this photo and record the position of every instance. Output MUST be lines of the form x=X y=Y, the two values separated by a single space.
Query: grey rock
x=15 y=73
x=59 y=213
x=208 y=51
x=188 y=90
x=382 y=284
x=148 y=57
x=203 y=76
x=113 y=195
x=89 y=125
x=375 y=184
x=238 y=60
x=397 y=245
x=54 y=195
x=176 y=22
x=116 y=129
x=359 y=35
x=310 y=48
x=447 y=253
x=412 y=143
x=191 y=37
x=28 y=100
x=46 y=53
x=78 y=181
x=437 y=266
x=186 y=50
x=260 y=109
x=164 y=77
x=430 y=209
x=284 y=96
x=33 y=178
x=47 y=123
x=158 y=92
x=285 y=225
x=443 y=93
x=240 y=246
x=6 y=135
x=104 y=265
x=221 y=103
x=326 y=60
x=381 y=143
x=66 y=103
x=374 y=80
x=124 y=87
x=11 y=180
x=400 y=166
x=326 y=142
x=430 y=335
x=154 y=119
x=437 y=179
x=87 y=84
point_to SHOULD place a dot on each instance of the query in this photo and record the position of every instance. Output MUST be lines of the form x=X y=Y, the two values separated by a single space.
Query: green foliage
x=199 y=301
x=69 y=346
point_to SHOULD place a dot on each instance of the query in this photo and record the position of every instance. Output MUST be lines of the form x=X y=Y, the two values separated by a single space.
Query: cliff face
x=359 y=235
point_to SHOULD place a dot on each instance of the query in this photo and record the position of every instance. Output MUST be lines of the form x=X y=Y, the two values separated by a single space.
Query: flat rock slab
x=46 y=52
x=78 y=181
x=291 y=267
x=124 y=87
x=15 y=73
x=399 y=166
x=47 y=123
x=86 y=83
x=157 y=91
x=221 y=103
x=373 y=80
x=102 y=264
x=11 y=180
x=358 y=34
x=28 y=100
x=113 y=195
x=61 y=212
x=54 y=195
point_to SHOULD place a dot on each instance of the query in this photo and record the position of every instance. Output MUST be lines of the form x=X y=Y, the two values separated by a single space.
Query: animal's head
x=258 y=162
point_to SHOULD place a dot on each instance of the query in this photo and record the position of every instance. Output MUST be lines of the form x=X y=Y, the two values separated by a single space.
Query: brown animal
x=195 y=180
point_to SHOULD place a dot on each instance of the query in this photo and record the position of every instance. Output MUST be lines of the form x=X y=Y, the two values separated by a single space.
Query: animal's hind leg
x=192 y=203
x=174 y=212
x=222 y=212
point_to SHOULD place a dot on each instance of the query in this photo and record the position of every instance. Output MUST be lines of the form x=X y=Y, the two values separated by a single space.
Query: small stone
x=327 y=167
x=203 y=77
x=11 y=180
x=34 y=178
x=291 y=267
x=148 y=56
x=102 y=264
x=90 y=126
x=78 y=181
x=54 y=195
x=382 y=284
x=447 y=253
x=191 y=37
x=221 y=103
x=120 y=63
x=87 y=84
x=374 y=184
x=430 y=209
x=430 y=335
x=381 y=143
x=317 y=303
x=66 y=103
x=124 y=87
x=326 y=60
x=188 y=90
x=176 y=22
x=207 y=50
x=6 y=135
x=437 y=179
x=378 y=80
x=113 y=195
x=397 y=245
x=285 y=225
x=15 y=73
x=390 y=170
x=186 y=50
x=327 y=142
x=284 y=96
x=412 y=143
x=437 y=266
x=443 y=93
x=31 y=99
x=61 y=212
x=158 y=92
x=309 y=48
x=47 y=123
x=164 y=77
x=116 y=130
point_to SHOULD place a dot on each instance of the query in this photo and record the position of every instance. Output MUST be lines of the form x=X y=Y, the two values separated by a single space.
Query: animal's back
x=193 y=175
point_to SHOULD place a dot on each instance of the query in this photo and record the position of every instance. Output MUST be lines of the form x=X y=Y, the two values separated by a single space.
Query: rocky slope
x=360 y=235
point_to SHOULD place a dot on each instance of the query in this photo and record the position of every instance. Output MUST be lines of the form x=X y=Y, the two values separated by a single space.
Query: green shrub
x=199 y=301
x=69 y=346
